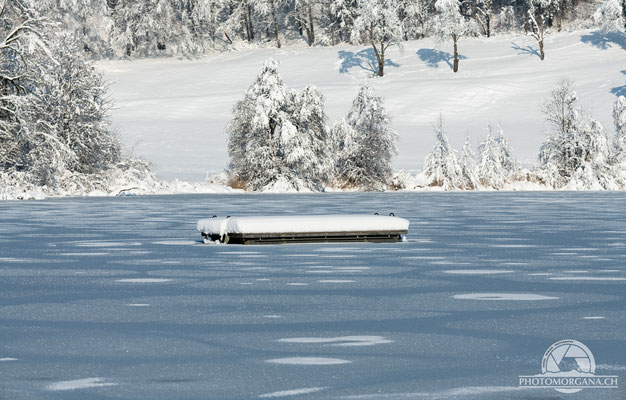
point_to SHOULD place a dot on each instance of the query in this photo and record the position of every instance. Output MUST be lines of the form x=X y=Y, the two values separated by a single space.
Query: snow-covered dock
x=304 y=229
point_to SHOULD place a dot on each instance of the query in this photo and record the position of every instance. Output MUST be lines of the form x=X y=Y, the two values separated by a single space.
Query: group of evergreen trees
x=279 y=139
x=578 y=152
x=115 y=28
x=446 y=168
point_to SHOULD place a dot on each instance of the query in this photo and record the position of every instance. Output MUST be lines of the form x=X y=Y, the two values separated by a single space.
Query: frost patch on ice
x=424 y=257
x=512 y=246
x=84 y=254
x=478 y=271
x=177 y=242
x=342 y=341
x=503 y=296
x=272 y=316
x=463 y=392
x=448 y=263
x=541 y=274
x=336 y=281
x=143 y=280
x=594 y=317
x=321 y=271
x=308 y=361
x=587 y=278
x=138 y=305
x=292 y=392
x=8 y=359
x=106 y=244
x=80 y=384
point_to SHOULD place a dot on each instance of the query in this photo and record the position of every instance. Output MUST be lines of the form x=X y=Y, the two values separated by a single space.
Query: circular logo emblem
x=568 y=358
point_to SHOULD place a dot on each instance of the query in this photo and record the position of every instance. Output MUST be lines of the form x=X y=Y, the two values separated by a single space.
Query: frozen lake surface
x=117 y=298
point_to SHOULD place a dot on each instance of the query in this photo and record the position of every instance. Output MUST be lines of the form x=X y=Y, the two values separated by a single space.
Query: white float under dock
x=304 y=229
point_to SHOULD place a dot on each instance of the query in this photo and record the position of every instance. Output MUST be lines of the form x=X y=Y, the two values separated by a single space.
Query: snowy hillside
x=173 y=112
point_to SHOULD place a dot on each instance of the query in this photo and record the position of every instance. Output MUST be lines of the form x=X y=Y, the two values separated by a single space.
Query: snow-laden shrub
x=54 y=129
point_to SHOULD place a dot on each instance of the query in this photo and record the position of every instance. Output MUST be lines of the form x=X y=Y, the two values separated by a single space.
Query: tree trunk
x=299 y=25
x=381 y=61
x=488 y=23
x=275 y=22
x=542 y=55
x=246 y=28
x=250 y=27
x=311 y=31
x=456 y=57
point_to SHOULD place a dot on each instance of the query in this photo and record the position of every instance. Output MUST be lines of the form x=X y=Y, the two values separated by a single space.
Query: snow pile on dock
x=304 y=228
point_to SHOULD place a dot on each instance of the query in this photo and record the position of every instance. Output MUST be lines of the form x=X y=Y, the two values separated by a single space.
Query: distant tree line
x=140 y=28
x=280 y=140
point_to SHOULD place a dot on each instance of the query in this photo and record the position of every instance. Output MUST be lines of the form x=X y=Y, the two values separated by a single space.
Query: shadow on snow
x=364 y=59
x=529 y=50
x=433 y=57
x=604 y=40
x=620 y=90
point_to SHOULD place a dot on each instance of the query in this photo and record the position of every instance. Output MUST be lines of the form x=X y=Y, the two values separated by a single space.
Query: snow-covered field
x=117 y=298
x=173 y=112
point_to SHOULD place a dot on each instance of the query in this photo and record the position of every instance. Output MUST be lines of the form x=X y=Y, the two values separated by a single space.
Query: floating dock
x=304 y=229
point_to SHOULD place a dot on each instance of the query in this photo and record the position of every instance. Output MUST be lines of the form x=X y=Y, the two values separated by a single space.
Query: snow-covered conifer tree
x=377 y=25
x=306 y=146
x=452 y=25
x=577 y=150
x=441 y=166
x=468 y=167
x=254 y=138
x=609 y=16
x=497 y=163
x=279 y=138
x=619 y=118
x=540 y=13
x=367 y=148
